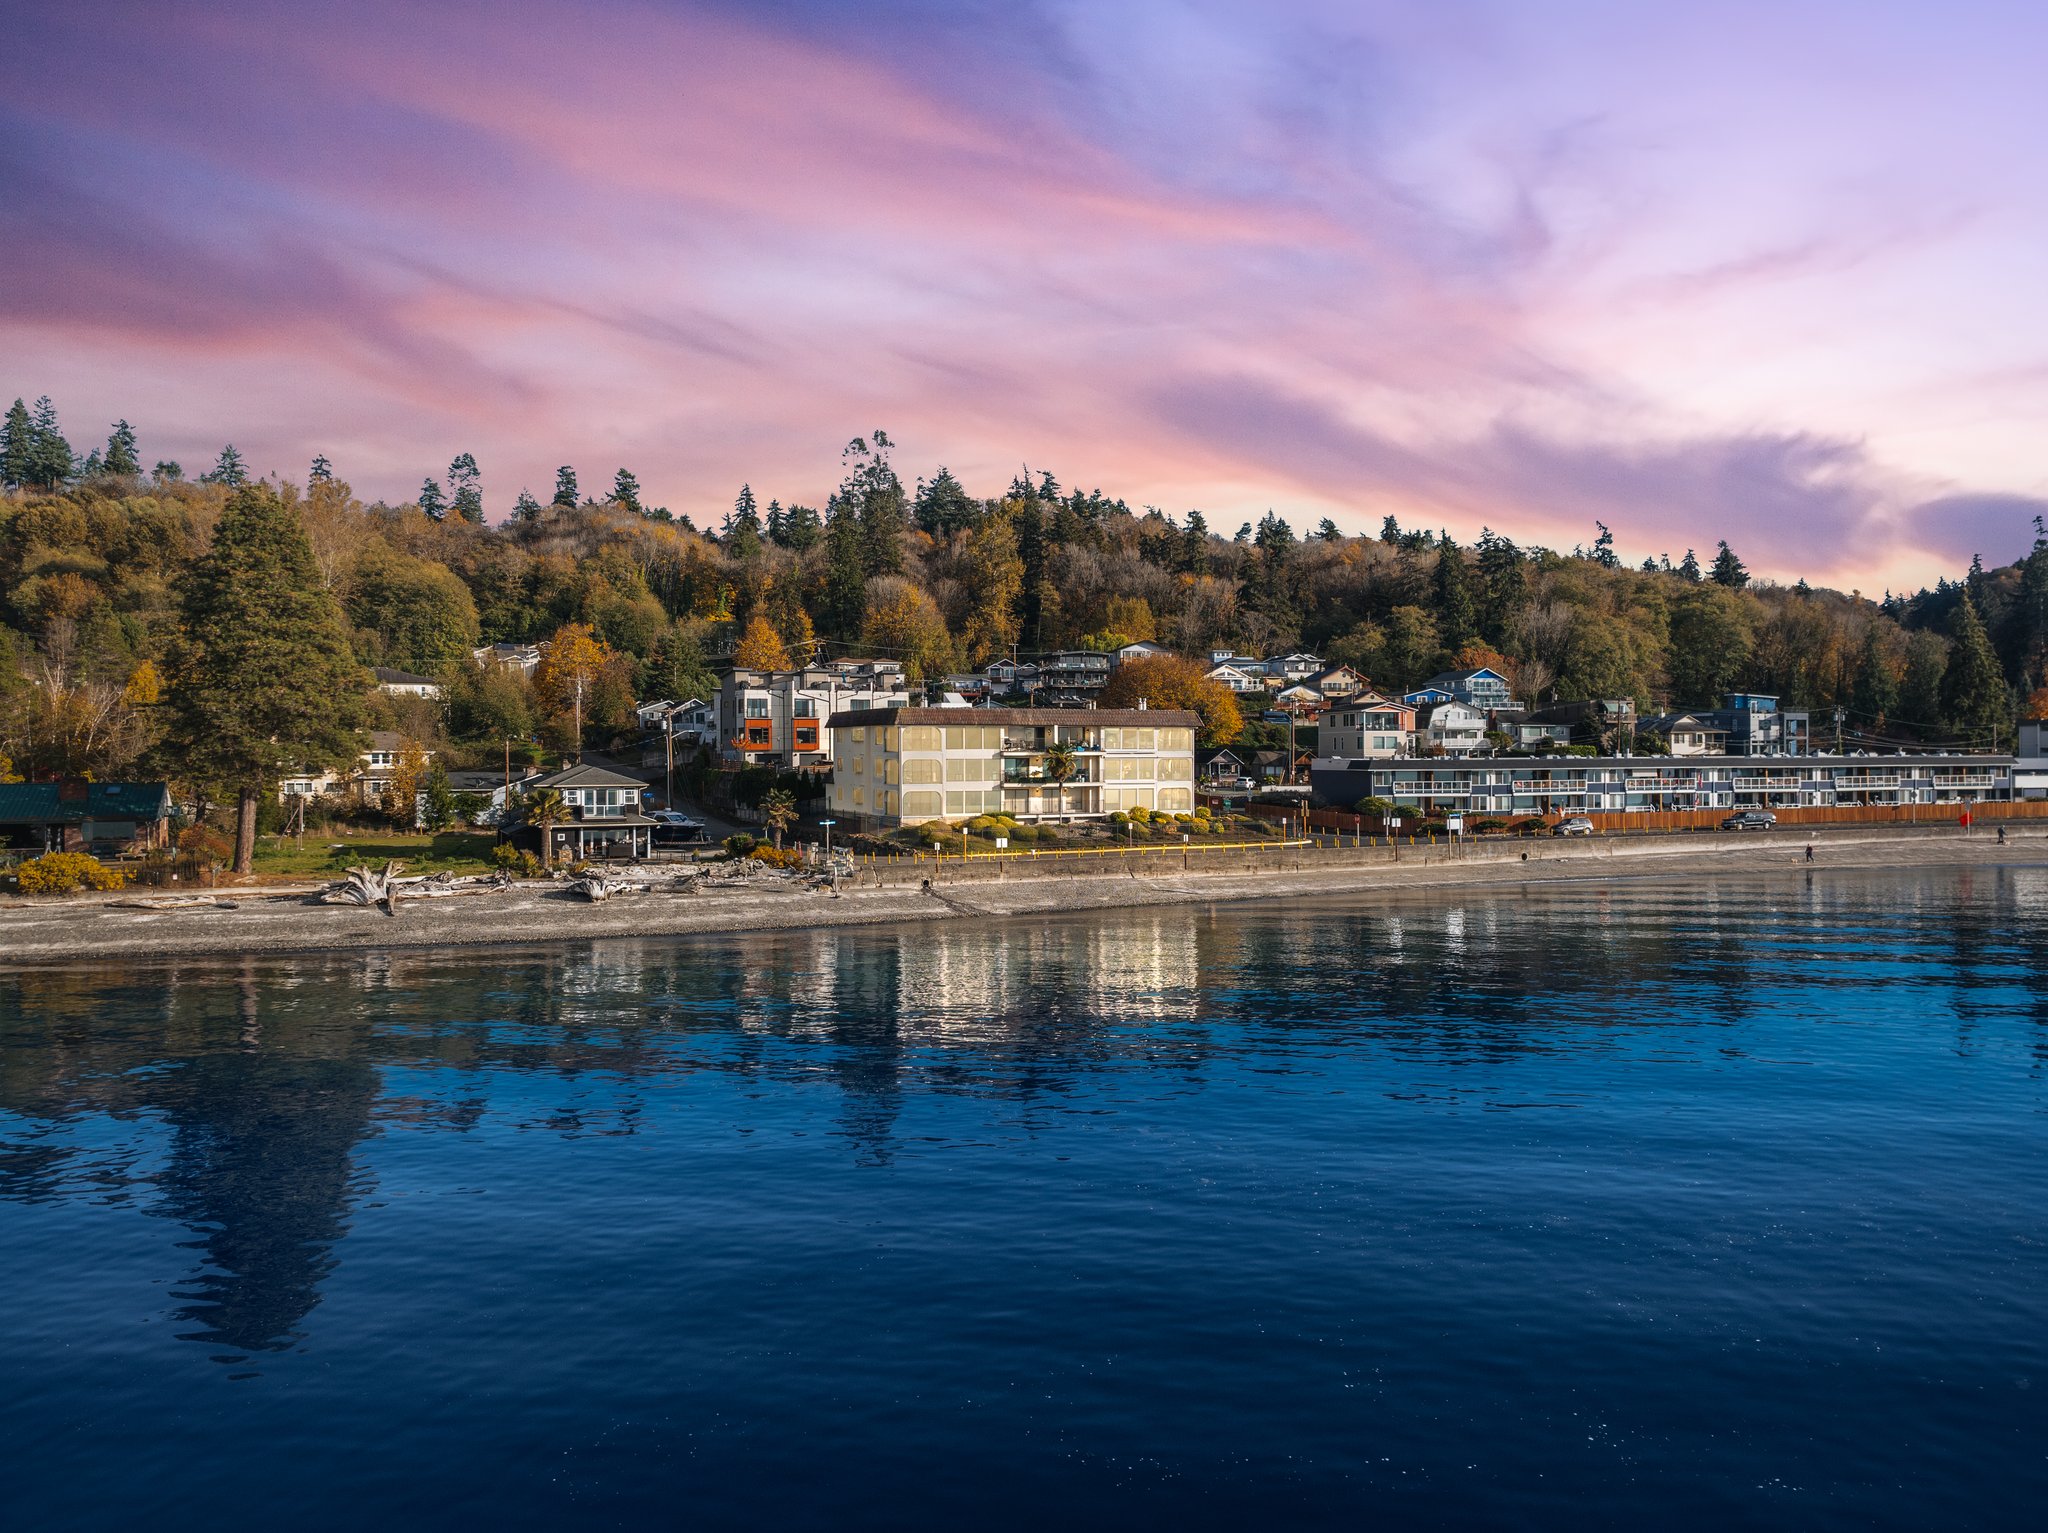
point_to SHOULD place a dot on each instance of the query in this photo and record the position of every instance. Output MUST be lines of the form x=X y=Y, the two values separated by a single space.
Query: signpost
x=828 y=824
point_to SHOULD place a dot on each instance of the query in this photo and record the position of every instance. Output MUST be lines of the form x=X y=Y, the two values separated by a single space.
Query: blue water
x=1717 y=1206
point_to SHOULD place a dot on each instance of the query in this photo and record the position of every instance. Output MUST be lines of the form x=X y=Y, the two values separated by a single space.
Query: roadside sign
x=1001 y=842
x=1393 y=822
x=1455 y=824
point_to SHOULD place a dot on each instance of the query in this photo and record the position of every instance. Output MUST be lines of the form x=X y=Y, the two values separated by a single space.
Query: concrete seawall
x=88 y=928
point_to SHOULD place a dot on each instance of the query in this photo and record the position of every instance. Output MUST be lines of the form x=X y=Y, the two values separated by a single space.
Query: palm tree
x=778 y=810
x=1062 y=761
x=546 y=808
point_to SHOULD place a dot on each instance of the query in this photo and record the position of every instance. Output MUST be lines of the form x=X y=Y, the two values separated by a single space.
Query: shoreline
x=56 y=932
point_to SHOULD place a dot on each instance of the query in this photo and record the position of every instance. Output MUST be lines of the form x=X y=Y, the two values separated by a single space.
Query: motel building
x=1587 y=784
x=903 y=766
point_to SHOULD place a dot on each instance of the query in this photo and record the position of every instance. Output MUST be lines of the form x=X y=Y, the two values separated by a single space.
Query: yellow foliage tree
x=1168 y=681
x=7 y=772
x=761 y=648
x=401 y=800
x=905 y=623
x=575 y=660
x=1132 y=617
x=803 y=642
x=995 y=581
x=145 y=686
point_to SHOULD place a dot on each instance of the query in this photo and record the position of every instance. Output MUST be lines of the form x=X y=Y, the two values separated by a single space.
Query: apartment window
x=926 y=803
x=970 y=769
x=924 y=769
x=759 y=736
x=807 y=737
x=921 y=737
x=1176 y=739
x=889 y=769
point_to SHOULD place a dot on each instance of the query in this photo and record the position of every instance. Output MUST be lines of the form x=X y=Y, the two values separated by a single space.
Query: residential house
x=524 y=658
x=903 y=765
x=1139 y=650
x=1687 y=734
x=2030 y=771
x=1235 y=677
x=1479 y=687
x=1339 y=683
x=1069 y=678
x=1456 y=729
x=102 y=818
x=1602 y=721
x=1369 y=727
x=367 y=782
x=405 y=683
x=604 y=814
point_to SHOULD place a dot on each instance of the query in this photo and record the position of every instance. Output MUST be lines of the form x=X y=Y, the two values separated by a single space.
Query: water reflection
x=235 y=1098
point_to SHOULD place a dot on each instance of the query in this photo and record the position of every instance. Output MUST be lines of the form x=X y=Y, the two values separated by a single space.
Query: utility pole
x=668 y=779
x=579 y=718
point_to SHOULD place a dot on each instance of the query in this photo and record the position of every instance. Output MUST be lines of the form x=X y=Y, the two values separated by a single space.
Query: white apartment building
x=903 y=766
x=777 y=718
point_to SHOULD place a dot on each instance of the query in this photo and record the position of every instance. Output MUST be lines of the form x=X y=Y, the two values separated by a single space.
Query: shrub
x=1023 y=832
x=1489 y=826
x=62 y=872
x=981 y=825
x=1139 y=813
x=740 y=845
x=1202 y=813
x=519 y=863
x=786 y=857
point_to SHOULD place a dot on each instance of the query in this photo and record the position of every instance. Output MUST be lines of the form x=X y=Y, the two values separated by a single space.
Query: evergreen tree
x=91 y=468
x=170 y=470
x=1328 y=532
x=1728 y=570
x=776 y=528
x=1390 y=531
x=1457 y=614
x=1603 y=549
x=1194 y=546
x=1920 y=687
x=846 y=577
x=873 y=493
x=467 y=483
x=565 y=488
x=743 y=527
x=322 y=472
x=17 y=446
x=626 y=491
x=943 y=507
x=50 y=461
x=229 y=469
x=526 y=508
x=802 y=527
x=262 y=681
x=2027 y=622
x=120 y=455
x=1505 y=584
x=1973 y=693
x=1689 y=566
x=432 y=501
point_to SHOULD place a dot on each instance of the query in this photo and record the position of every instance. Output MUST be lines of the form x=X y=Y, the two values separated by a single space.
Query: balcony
x=1022 y=779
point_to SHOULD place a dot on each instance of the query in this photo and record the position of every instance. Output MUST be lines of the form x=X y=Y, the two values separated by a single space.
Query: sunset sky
x=1766 y=271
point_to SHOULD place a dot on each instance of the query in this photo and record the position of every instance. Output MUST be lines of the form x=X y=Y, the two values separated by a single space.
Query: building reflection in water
x=261 y=1080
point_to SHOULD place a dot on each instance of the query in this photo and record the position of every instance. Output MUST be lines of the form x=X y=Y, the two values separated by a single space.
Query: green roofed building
x=106 y=818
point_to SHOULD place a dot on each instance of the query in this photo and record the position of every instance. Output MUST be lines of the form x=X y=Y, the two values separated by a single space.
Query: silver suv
x=1577 y=825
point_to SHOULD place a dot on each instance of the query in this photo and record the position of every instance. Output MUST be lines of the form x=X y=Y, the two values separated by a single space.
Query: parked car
x=1750 y=819
x=1576 y=825
x=674 y=829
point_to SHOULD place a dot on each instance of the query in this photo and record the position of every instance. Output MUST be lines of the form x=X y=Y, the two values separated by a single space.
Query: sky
x=1770 y=272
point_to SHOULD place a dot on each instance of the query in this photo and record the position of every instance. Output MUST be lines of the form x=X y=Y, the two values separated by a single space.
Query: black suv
x=1750 y=819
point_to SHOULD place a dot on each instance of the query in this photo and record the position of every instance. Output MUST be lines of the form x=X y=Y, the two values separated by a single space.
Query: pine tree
x=263 y=681
x=17 y=446
x=943 y=507
x=432 y=501
x=743 y=527
x=802 y=527
x=1328 y=532
x=228 y=470
x=1194 y=546
x=872 y=493
x=49 y=454
x=1457 y=615
x=565 y=488
x=845 y=571
x=120 y=455
x=525 y=508
x=777 y=529
x=1390 y=531
x=1506 y=584
x=626 y=491
x=1603 y=549
x=1728 y=570
x=322 y=472
x=1973 y=693
x=1689 y=566
x=170 y=470
x=467 y=483
x=92 y=467
x=1920 y=686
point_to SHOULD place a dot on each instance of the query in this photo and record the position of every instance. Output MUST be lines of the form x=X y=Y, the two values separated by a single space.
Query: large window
x=970 y=769
x=923 y=804
x=1177 y=800
x=923 y=769
x=921 y=737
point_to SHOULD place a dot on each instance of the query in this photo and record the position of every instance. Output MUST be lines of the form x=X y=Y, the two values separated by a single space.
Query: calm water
x=1705 y=1207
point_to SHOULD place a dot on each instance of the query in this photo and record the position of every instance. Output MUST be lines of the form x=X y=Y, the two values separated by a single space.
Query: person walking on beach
x=2001 y=835
x=1809 y=851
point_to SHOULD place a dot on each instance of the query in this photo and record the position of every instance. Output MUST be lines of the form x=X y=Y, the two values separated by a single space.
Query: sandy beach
x=41 y=931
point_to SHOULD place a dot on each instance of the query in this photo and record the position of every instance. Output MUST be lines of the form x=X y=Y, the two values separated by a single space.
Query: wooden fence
x=1344 y=822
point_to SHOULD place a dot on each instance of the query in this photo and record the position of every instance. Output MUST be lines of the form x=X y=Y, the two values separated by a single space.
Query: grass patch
x=448 y=852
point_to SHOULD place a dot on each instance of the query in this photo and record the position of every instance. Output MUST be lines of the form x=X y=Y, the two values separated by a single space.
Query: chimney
x=1142 y=703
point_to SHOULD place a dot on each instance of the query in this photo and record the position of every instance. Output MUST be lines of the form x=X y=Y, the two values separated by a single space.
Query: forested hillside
x=96 y=555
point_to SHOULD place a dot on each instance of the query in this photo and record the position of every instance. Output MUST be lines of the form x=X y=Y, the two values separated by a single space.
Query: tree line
x=113 y=586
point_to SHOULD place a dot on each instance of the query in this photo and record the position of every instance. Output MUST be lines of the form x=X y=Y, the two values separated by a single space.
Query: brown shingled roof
x=1162 y=718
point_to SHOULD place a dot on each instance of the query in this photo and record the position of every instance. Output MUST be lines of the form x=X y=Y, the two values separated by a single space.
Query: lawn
x=331 y=855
